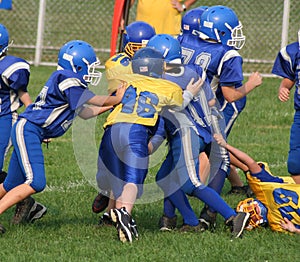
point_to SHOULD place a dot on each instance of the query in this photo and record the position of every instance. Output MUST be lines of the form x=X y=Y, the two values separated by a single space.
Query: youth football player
x=123 y=153
x=217 y=54
x=15 y=73
x=64 y=96
x=189 y=132
x=287 y=66
x=136 y=36
x=278 y=196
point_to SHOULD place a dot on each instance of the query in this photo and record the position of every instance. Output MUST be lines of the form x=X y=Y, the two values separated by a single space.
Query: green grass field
x=69 y=231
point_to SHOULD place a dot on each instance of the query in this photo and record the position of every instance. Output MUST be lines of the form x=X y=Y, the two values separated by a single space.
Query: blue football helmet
x=136 y=36
x=168 y=46
x=80 y=57
x=149 y=62
x=4 y=39
x=190 y=22
x=220 y=23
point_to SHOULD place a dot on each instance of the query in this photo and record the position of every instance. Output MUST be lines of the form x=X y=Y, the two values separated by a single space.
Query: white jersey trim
x=228 y=55
x=69 y=82
x=23 y=150
x=13 y=68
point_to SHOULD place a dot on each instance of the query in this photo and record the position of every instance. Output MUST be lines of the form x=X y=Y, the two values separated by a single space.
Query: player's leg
x=219 y=159
x=231 y=111
x=108 y=164
x=168 y=220
x=204 y=167
x=109 y=167
x=5 y=130
x=294 y=153
x=130 y=142
x=187 y=152
x=26 y=174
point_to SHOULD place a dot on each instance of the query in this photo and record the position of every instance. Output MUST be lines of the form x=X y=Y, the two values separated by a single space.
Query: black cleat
x=125 y=224
x=37 y=212
x=238 y=223
x=207 y=219
x=167 y=224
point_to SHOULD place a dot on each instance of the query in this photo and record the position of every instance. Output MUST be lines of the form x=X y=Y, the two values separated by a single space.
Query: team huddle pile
x=187 y=90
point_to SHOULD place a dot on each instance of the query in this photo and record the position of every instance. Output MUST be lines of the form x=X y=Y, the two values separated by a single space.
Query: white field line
x=69 y=186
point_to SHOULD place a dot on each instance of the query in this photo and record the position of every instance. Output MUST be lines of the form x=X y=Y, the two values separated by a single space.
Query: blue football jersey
x=197 y=113
x=222 y=63
x=58 y=103
x=15 y=74
x=287 y=65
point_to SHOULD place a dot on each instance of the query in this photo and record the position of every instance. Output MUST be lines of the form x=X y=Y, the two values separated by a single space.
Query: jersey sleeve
x=76 y=94
x=285 y=62
x=230 y=69
x=17 y=76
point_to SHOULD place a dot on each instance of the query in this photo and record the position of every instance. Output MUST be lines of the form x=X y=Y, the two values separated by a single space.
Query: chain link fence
x=91 y=20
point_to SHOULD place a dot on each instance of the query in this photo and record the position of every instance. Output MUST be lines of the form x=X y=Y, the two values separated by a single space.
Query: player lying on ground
x=277 y=198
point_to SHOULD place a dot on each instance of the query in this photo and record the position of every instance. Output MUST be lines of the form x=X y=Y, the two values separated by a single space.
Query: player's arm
x=232 y=94
x=284 y=89
x=92 y=111
x=237 y=163
x=192 y=90
x=238 y=154
x=108 y=100
x=24 y=97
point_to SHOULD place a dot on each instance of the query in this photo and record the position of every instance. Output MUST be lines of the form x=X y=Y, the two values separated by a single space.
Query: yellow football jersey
x=114 y=66
x=281 y=200
x=143 y=100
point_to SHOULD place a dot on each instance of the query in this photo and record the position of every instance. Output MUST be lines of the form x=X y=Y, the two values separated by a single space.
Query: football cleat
x=37 y=212
x=100 y=203
x=124 y=223
x=242 y=190
x=207 y=219
x=167 y=224
x=133 y=228
x=238 y=223
x=22 y=210
x=188 y=228
x=105 y=220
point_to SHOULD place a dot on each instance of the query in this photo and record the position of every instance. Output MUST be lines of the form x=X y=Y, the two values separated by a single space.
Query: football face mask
x=257 y=211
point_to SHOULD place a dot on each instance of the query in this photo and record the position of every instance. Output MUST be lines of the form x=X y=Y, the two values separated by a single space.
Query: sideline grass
x=69 y=231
